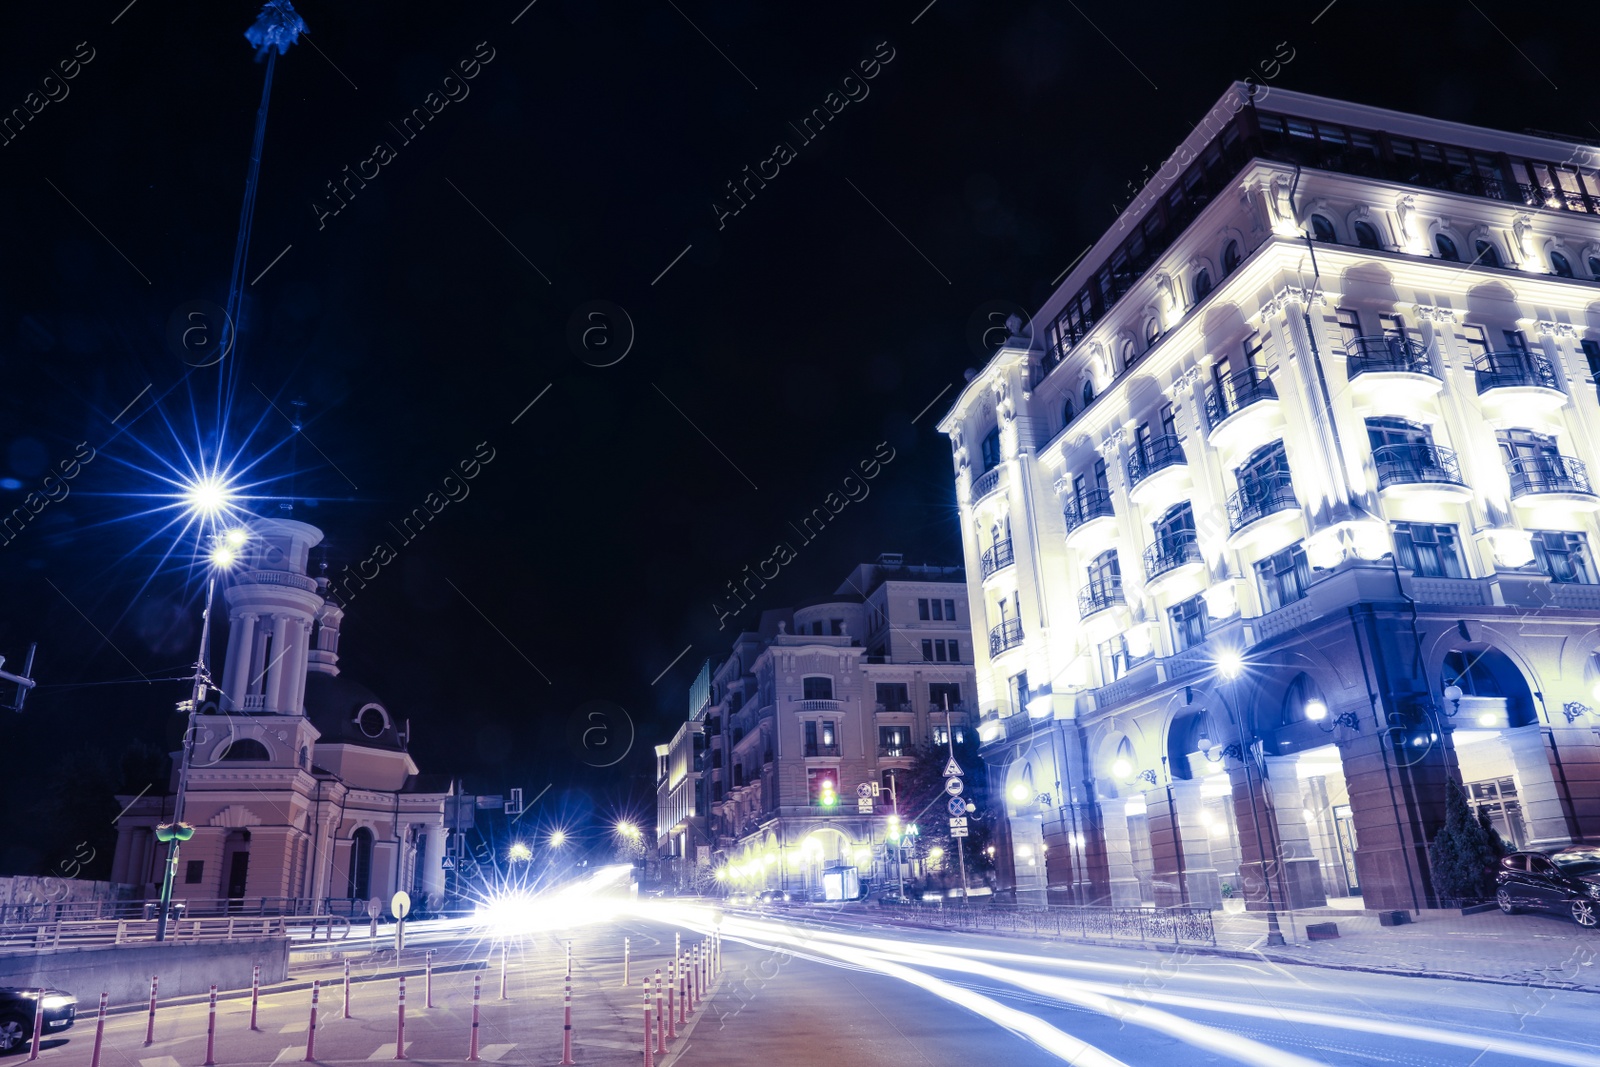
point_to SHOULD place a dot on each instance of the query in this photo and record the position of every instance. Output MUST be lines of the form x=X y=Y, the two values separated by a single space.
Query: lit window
x=1190 y=622
x=1284 y=577
x=1564 y=556
x=1428 y=550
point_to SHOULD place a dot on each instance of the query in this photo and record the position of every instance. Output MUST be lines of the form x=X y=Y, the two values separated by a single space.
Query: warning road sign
x=952 y=769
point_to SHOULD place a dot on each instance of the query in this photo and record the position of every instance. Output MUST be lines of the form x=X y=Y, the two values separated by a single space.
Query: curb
x=1263 y=957
x=289 y=987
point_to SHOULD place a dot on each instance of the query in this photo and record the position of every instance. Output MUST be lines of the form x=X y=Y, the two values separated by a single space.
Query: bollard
x=661 y=1022
x=347 y=989
x=99 y=1031
x=427 y=988
x=400 y=1026
x=211 y=1031
x=472 y=1049
x=688 y=996
x=672 y=1024
x=627 y=944
x=683 y=989
x=38 y=1031
x=255 y=994
x=649 y=1046
x=569 y=959
x=566 y=1027
x=504 y=950
x=150 y=1024
x=311 y=1034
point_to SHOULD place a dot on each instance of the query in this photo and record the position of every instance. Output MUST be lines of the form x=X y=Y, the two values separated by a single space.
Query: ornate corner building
x=301 y=790
x=1279 y=515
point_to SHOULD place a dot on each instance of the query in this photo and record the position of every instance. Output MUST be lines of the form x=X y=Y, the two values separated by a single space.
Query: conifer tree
x=1465 y=851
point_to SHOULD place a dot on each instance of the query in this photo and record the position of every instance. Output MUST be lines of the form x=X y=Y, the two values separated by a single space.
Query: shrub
x=1465 y=852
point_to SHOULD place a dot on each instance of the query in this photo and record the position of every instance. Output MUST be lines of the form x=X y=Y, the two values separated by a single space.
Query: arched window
x=1068 y=412
x=359 y=883
x=1447 y=248
x=1202 y=285
x=1303 y=702
x=1594 y=266
x=1560 y=265
x=1488 y=254
x=1088 y=393
x=1152 y=334
x=1366 y=235
x=305 y=758
x=1130 y=354
x=1322 y=229
x=1230 y=257
x=246 y=748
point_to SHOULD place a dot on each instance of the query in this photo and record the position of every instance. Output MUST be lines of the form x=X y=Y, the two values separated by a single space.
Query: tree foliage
x=923 y=801
x=1465 y=852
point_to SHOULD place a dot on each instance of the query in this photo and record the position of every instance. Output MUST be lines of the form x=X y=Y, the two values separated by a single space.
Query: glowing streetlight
x=1316 y=710
x=519 y=853
x=208 y=496
x=1122 y=769
x=1019 y=792
x=558 y=838
x=1229 y=663
x=627 y=829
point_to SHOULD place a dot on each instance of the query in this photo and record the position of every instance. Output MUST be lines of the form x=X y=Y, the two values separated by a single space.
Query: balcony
x=814 y=704
x=1419 y=469
x=1085 y=511
x=1242 y=410
x=997 y=558
x=894 y=751
x=1006 y=636
x=1516 y=385
x=1099 y=595
x=986 y=483
x=1390 y=375
x=1158 y=471
x=1543 y=480
x=895 y=708
x=821 y=750
x=1170 y=554
x=1387 y=355
x=1260 y=498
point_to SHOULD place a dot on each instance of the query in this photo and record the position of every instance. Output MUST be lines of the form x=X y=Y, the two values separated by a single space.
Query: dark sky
x=588 y=153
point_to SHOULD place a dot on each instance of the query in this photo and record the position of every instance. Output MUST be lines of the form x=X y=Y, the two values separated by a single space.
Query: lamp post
x=207 y=498
x=1229 y=666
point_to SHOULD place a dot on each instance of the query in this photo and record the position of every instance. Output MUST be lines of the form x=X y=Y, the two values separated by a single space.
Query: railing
x=1090 y=504
x=1172 y=552
x=986 y=483
x=1175 y=925
x=1387 y=353
x=1007 y=635
x=1499 y=370
x=894 y=751
x=1415 y=464
x=895 y=708
x=1548 y=474
x=1157 y=454
x=997 y=558
x=1234 y=392
x=51 y=937
x=293 y=581
x=822 y=750
x=1099 y=595
x=816 y=704
x=1260 y=498
x=253 y=702
x=262 y=907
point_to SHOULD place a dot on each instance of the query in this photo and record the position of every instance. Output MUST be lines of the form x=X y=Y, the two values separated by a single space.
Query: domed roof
x=346 y=712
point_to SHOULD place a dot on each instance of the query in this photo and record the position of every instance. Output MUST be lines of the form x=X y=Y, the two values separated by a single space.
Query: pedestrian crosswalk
x=386 y=1052
x=159 y=1061
x=492 y=1053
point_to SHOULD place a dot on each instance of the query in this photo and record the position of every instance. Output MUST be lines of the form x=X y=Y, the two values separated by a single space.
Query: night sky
x=777 y=338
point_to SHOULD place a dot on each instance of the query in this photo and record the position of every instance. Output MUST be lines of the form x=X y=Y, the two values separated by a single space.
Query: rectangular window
x=836 y=627
x=1113 y=659
x=1349 y=323
x=1428 y=550
x=941 y=736
x=955 y=651
x=927 y=651
x=940 y=692
x=892 y=695
x=937 y=608
x=922 y=610
x=827 y=734
x=817 y=688
x=194 y=871
x=938 y=651
x=1190 y=623
x=1019 y=686
x=811 y=739
x=1591 y=353
x=1284 y=577
x=1564 y=556
x=1477 y=342
x=950 y=611
x=894 y=740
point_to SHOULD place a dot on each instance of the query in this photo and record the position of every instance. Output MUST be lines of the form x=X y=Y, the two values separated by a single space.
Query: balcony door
x=1261 y=475
x=1105 y=577
x=1387 y=431
x=1531 y=454
x=1176 y=528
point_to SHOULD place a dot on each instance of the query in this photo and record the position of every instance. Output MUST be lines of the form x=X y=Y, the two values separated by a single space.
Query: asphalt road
x=806 y=987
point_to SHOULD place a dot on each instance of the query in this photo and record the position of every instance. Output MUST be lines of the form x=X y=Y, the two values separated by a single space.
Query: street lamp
x=208 y=498
x=558 y=838
x=1230 y=665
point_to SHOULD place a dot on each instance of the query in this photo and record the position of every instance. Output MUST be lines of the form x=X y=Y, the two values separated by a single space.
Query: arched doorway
x=1499 y=746
x=360 y=878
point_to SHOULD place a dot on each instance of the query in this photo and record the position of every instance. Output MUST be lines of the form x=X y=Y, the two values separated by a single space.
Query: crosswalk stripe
x=386 y=1052
x=159 y=1061
x=289 y=1053
x=492 y=1053
x=625 y=1046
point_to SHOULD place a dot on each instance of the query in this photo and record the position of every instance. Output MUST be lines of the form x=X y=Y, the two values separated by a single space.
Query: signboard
x=400 y=905
x=374 y=908
x=958 y=824
x=864 y=790
x=490 y=803
x=952 y=769
x=957 y=806
x=954 y=786
x=864 y=806
x=958 y=833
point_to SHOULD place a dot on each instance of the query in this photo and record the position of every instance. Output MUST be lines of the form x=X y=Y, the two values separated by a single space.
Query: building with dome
x=301 y=788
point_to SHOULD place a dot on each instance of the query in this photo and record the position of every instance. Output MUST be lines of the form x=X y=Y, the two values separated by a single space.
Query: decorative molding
x=1573 y=709
x=1558 y=329
x=235 y=816
x=1432 y=313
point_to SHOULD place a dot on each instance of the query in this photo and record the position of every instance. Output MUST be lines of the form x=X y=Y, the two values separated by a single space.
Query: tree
x=923 y=801
x=1465 y=852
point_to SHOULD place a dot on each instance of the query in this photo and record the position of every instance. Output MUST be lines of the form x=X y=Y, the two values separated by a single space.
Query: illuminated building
x=1318 y=406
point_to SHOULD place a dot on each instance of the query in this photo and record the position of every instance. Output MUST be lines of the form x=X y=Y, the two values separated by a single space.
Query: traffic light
x=893 y=832
x=829 y=797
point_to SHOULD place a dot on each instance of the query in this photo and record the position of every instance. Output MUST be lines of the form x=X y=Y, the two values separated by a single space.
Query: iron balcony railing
x=894 y=751
x=1234 y=392
x=1098 y=595
x=1090 y=504
x=1260 y=497
x=819 y=704
x=1499 y=370
x=1387 y=353
x=986 y=483
x=816 y=750
x=1415 y=464
x=1170 y=553
x=997 y=558
x=1548 y=474
x=1007 y=635
x=1156 y=454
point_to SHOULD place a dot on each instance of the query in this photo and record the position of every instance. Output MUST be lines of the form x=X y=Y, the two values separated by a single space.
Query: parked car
x=774 y=896
x=17 y=1008
x=892 y=898
x=1566 y=880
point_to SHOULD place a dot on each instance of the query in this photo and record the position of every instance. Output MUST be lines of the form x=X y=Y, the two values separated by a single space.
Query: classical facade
x=1278 y=516
x=823 y=699
x=300 y=788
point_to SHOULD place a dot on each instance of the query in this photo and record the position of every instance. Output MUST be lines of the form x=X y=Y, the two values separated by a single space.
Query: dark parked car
x=1565 y=880
x=17 y=1007
x=774 y=896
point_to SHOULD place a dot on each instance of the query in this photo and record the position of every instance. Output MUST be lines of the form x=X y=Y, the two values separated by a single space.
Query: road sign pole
x=894 y=805
x=961 y=842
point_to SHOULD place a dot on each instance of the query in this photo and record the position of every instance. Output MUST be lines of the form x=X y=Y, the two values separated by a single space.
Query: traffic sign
x=957 y=806
x=864 y=806
x=958 y=824
x=952 y=769
x=962 y=832
x=954 y=786
x=448 y=863
x=400 y=905
x=864 y=790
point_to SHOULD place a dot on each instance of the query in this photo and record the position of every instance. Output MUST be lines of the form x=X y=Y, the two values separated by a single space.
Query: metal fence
x=1178 y=925
x=53 y=936
x=69 y=911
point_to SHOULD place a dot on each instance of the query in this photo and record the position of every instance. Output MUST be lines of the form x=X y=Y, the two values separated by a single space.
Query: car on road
x=891 y=898
x=774 y=896
x=1565 y=880
x=740 y=900
x=17 y=1010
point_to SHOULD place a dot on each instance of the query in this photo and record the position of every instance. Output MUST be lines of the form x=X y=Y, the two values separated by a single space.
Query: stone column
x=1124 y=882
x=273 y=690
x=1166 y=848
x=1257 y=842
x=236 y=675
x=1202 y=885
x=1542 y=807
x=1302 y=871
